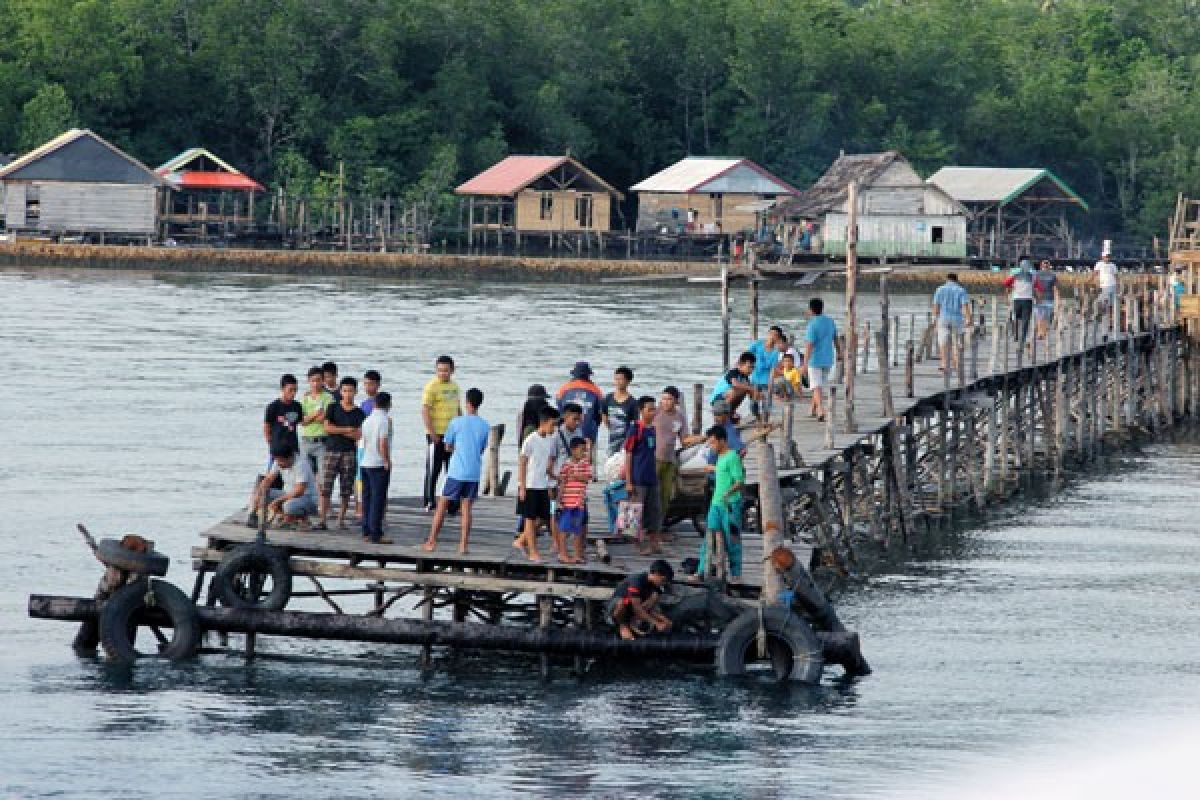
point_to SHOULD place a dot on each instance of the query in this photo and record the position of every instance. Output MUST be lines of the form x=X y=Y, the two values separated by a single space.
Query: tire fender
x=148 y=600
x=254 y=558
x=794 y=650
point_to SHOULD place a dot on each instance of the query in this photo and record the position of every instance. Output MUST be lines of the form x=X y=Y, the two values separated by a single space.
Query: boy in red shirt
x=573 y=479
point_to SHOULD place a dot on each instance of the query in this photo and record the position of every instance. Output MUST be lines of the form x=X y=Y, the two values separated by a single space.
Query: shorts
x=303 y=506
x=818 y=377
x=341 y=465
x=536 y=504
x=947 y=332
x=572 y=520
x=1108 y=295
x=1043 y=312
x=454 y=489
x=652 y=518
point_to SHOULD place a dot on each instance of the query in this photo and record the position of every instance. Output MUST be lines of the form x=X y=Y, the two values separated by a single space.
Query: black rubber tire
x=122 y=613
x=110 y=553
x=793 y=649
x=254 y=560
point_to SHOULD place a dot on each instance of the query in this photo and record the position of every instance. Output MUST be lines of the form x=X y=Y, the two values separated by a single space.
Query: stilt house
x=703 y=195
x=211 y=197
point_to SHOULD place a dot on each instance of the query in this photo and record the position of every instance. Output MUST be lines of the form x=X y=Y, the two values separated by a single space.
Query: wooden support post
x=830 y=412
x=839 y=372
x=885 y=381
x=989 y=452
x=894 y=341
x=427 y=615
x=725 y=316
x=851 y=300
x=866 y=357
x=491 y=467
x=697 y=408
x=1060 y=413
x=788 y=458
x=753 y=307
x=545 y=604
x=772 y=524
x=909 y=389
x=960 y=347
x=972 y=458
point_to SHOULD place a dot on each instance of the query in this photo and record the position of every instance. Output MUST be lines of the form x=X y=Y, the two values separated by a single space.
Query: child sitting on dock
x=573 y=479
x=634 y=604
x=789 y=388
x=535 y=471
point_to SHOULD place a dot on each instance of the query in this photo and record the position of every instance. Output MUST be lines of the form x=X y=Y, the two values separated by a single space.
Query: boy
x=951 y=314
x=725 y=510
x=343 y=426
x=439 y=405
x=370 y=383
x=620 y=409
x=376 y=467
x=312 y=428
x=766 y=360
x=535 y=470
x=820 y=346
x=635 y=600
x=734 y=386
x=573 y=479
x=1045 y=292
x=670 y=431
x=466 y=438
x=329 y=375
x=281 y=419
x=641 y=473
x=789 y=388
x=297 y=500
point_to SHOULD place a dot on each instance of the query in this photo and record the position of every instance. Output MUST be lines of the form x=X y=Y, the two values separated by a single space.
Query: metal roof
x=514 y=173
x=80 y=156
x=831 y=189
x=715 y=174
x=999 y=185
x=225 y=176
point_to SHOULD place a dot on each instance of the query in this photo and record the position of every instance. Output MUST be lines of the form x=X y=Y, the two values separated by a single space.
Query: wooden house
x=1014 y=212
x=538 y=194
x=703 y=195
x=79 y=184
x=899 y=214
x=211 y=196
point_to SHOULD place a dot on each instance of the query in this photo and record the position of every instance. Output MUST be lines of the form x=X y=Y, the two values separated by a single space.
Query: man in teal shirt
x=951 y=314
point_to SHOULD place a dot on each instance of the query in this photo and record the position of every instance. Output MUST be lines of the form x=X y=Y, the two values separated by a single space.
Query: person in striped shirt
x=573 y=479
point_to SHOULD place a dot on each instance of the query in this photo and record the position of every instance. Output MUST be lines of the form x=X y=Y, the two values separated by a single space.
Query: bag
x=629 y=519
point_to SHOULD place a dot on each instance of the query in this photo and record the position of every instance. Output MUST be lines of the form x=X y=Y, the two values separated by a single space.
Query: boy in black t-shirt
x=343 y=425
x=635 y=601
x=282 y=416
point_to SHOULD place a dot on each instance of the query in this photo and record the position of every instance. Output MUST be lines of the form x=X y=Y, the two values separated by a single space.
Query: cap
x=537 y=390
x=721 y=406
x=581 y=370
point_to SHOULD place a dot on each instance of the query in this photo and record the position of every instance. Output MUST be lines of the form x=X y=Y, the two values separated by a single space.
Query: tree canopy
x=411 y=96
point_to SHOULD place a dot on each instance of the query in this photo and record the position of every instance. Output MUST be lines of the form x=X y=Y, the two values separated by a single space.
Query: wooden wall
x=654 y=211
x=84 y=207
x=562 y=215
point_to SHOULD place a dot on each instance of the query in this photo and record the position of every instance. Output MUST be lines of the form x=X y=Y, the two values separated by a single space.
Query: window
x=583 y=210
x=547 y=209
x=937 y=234
x=33 y=203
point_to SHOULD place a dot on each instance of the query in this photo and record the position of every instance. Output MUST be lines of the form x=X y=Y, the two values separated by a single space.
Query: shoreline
x=334 y=264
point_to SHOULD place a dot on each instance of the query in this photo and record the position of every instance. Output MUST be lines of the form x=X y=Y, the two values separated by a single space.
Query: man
x=619 y=410
x=582 y=392
x=439 y=405
x=1106 y=280
x=312 y=428
x=376 y=467
x=670 y=431
x=370 y=384
x=466 y=438
x=1020 y=287
x=343 y=426
x=1045 y=295
x=329 y=372
x=820 y=348
x=535 y=471
x=281 y=419
x=735 y=386
x=297 y=500
x=634 y=604
x=767 y=352
x=725 y=509
x=641 y=473
x=951 y=315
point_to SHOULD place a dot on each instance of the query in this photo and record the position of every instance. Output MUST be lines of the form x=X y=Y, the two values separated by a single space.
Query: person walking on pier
x=439 y=405
x=343 y=425
x=641 y=473
x=1020 y=288
x=634 y=604
x=1106 y=281
x=820 y=349
x=535 y=471
x=724 y=518
x=375 y=465
x=466 y=438
x=582 y=392
x=1045 y=295
x=573 y=478
x=619 y=410
x=951 y=315
x=735 y=385
x=312 y=428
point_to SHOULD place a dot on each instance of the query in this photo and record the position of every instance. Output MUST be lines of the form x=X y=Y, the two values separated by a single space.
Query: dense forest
x=413 y=95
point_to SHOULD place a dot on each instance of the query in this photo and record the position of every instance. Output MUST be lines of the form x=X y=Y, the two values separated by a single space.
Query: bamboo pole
x=851 y=300
x=771 y=522
x=909 y=389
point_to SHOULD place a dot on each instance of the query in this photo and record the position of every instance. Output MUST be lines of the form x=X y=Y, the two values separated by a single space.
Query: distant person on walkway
x=1178 y=289
x=573 y=478
x=724 y=518
x=536 y=399
x=375 y=463
x=370 y=384
x=634 y=604
x=582 y=392
x=343 y=425
x=439 y=404
x=820 y=350
x=735 y=386
x=1106 y=281
x=312 y=428
x=535 y=472
x=297 y=500
x=619 y=410
x=641 y=473
x=951 y=314
x=466 y=438
x=670 y=433
x=329 y=370
x=1020 y=288
x=1045 y=295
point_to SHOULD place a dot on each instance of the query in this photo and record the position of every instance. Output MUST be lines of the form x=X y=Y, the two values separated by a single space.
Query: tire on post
x=794 y=651
x=241 y=578
x=113 y=554
x=153 y=603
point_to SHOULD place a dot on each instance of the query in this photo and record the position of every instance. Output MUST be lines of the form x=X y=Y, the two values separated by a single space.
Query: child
x=634 y=604
x=789 y=387
x=535 y=471
x=573 y=479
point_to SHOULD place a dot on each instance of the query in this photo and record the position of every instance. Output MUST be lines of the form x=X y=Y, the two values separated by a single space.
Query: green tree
x=47 y=114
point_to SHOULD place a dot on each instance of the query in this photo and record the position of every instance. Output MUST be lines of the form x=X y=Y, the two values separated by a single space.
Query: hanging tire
x=254 y=576
x=112 y=554
x=150 y=603
x=793 y=650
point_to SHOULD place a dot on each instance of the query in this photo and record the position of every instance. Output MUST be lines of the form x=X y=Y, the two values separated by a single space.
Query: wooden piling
x=885 y=385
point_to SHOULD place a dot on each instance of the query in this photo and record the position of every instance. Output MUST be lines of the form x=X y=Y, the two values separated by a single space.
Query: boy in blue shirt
x=951 y=313
x=641 y=472
x=466 y=438
x=735 y=386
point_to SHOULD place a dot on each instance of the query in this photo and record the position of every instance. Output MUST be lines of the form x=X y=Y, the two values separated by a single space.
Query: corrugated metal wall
x=14 y=206
x=111 y=208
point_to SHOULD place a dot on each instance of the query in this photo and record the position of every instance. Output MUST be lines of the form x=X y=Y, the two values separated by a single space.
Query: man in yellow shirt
x=439 y=404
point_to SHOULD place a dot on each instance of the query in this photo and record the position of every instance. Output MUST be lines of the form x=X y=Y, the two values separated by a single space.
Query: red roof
x=510 y=175
x=214 y=180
